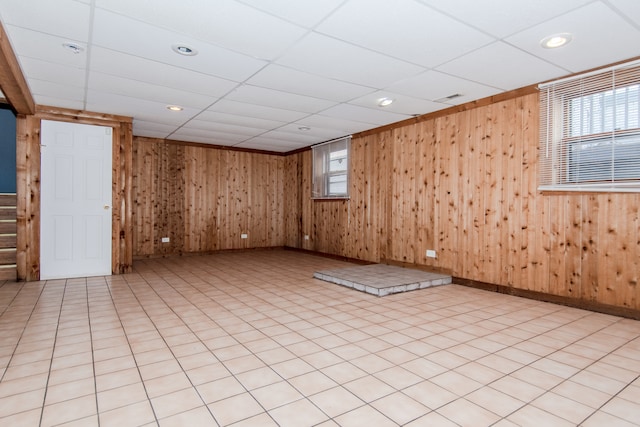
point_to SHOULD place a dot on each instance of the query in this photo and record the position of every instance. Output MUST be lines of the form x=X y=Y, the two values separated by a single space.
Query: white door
x=75 y=194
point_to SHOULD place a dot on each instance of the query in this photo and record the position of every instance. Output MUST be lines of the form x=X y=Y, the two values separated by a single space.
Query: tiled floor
x=381 y=279
x=251 y=339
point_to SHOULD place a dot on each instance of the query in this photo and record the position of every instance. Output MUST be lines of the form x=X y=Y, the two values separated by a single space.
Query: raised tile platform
x=382 y=279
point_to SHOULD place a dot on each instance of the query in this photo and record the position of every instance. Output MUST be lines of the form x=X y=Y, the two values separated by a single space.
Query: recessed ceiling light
x=183 y=49
x=384 y=102
x=555 y=40
x=174 y=108
x=73 y=47
x=304 y=128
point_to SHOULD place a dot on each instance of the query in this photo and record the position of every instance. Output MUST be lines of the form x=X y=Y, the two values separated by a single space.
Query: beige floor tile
x=530 y=416
x=430 y=395
x=298 y=414
x=167 y=384
x=220 y=389
x=400 y=408
x=177 y=402
x=432 y=419
x=622 y=408
x=336 y=401
x=70 y=390
x=69 y=410
x=364 y=416
x=261 y=420
x=586 y=395
x=292 y=368
x=21 y=402
x=26 y=418
x=312 y=383
x=600 y=419
x=200 y=416
x=275 y=395
x=23 y=385
x=398 y=377
x=369 y=388
x=456 y=383
x=207 y=373
x=468 y=414
x=235 y=408
x=292 y=339
x=495 y=401
x=257 y=378
x=136 y=414
x=517 y=388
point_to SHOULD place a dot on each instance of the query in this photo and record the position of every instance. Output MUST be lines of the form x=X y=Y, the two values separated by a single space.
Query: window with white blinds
x=590 y=131
x=331 y=169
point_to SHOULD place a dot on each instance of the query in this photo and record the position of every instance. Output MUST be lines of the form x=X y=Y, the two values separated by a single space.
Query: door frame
x=28 y=187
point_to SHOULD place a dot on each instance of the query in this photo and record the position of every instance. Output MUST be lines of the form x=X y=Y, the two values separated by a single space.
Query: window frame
x=562 y=166
x=321 y=186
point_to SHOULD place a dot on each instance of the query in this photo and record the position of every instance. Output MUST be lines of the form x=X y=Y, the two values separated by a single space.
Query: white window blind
x=331 y=169
x=590 y=131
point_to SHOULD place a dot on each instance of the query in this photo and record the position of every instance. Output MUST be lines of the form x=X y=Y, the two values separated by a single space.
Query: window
x=590 y=131
x=331 y=169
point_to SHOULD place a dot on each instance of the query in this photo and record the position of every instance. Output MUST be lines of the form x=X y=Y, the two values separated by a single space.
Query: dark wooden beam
x=12 y=81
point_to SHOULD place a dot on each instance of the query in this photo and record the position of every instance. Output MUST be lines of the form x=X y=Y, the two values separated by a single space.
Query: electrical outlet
x=165 y=240
x=431 y=253
x=244 y=236
x=306 y=237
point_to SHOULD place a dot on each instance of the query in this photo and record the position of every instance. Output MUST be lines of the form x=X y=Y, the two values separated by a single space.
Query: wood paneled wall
x=204 y=198
x=28 y=187
x=465 y=184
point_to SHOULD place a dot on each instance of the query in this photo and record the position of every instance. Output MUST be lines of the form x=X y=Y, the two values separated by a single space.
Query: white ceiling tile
x=212 y=137
x=142 y=90
x=342 y=125
x=234 y=119
x=433 y=85
x=290 y=137
x=257 y=111
x=53 y=72
x=149 y=133
x=60 y=102
x=226 y=23
x=504 y=17
x=289 y=80
x=517 y=68
x=139 y=108
x=331 y=58
x=600 y=36
x=277 y=99
x=33 y=44
x=629 y=8
x=55 y=90
x=317 y=133
x=153 y=126
x=403 y=29
x=270 y=144
x=304 y=13
x=146 y=41
x=365 y=115
x=135 y=68
x=208 y=139
x=223 y=127
x=232 y=97
x=402 y=104
x=67 y=19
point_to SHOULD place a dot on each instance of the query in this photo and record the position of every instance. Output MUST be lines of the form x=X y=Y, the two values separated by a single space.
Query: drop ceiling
x=279 y=75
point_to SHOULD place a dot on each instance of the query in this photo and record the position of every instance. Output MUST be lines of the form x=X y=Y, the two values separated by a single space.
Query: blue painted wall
x=7 y=150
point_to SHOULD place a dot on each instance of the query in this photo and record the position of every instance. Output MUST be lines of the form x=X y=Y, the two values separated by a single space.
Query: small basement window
x=590 y=131
x=331 y=169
